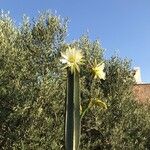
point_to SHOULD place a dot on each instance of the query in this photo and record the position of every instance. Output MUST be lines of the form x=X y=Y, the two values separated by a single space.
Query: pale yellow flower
x=72 y=58
x=99 y=103
x=98 y=70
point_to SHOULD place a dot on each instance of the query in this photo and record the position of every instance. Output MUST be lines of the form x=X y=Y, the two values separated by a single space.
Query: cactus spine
x=72 y=123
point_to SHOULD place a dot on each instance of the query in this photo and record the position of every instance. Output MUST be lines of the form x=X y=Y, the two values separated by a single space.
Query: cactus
x=72 y=58
x=72 y=124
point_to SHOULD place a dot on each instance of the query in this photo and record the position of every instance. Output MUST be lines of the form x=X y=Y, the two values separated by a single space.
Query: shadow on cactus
x=72 y=59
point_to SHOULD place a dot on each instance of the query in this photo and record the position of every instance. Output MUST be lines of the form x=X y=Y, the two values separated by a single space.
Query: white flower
x=72 y=58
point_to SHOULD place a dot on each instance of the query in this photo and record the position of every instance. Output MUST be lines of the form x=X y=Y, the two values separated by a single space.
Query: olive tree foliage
x=30 y=82
x=115 y=90
x=125 y=124
x=128 y=123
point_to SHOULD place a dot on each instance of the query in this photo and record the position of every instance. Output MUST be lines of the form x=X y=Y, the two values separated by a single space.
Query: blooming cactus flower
x=98 y=70
x=72 y=58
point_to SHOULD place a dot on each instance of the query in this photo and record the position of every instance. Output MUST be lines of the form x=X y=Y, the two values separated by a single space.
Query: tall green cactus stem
x=72 y=123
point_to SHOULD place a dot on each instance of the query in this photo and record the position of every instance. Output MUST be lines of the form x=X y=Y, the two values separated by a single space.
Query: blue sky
x=120 y=25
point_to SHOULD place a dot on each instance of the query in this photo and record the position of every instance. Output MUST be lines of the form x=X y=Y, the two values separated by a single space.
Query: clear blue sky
x=121 y=25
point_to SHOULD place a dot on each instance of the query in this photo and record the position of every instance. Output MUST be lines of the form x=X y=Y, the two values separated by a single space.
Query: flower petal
x=99 y=103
